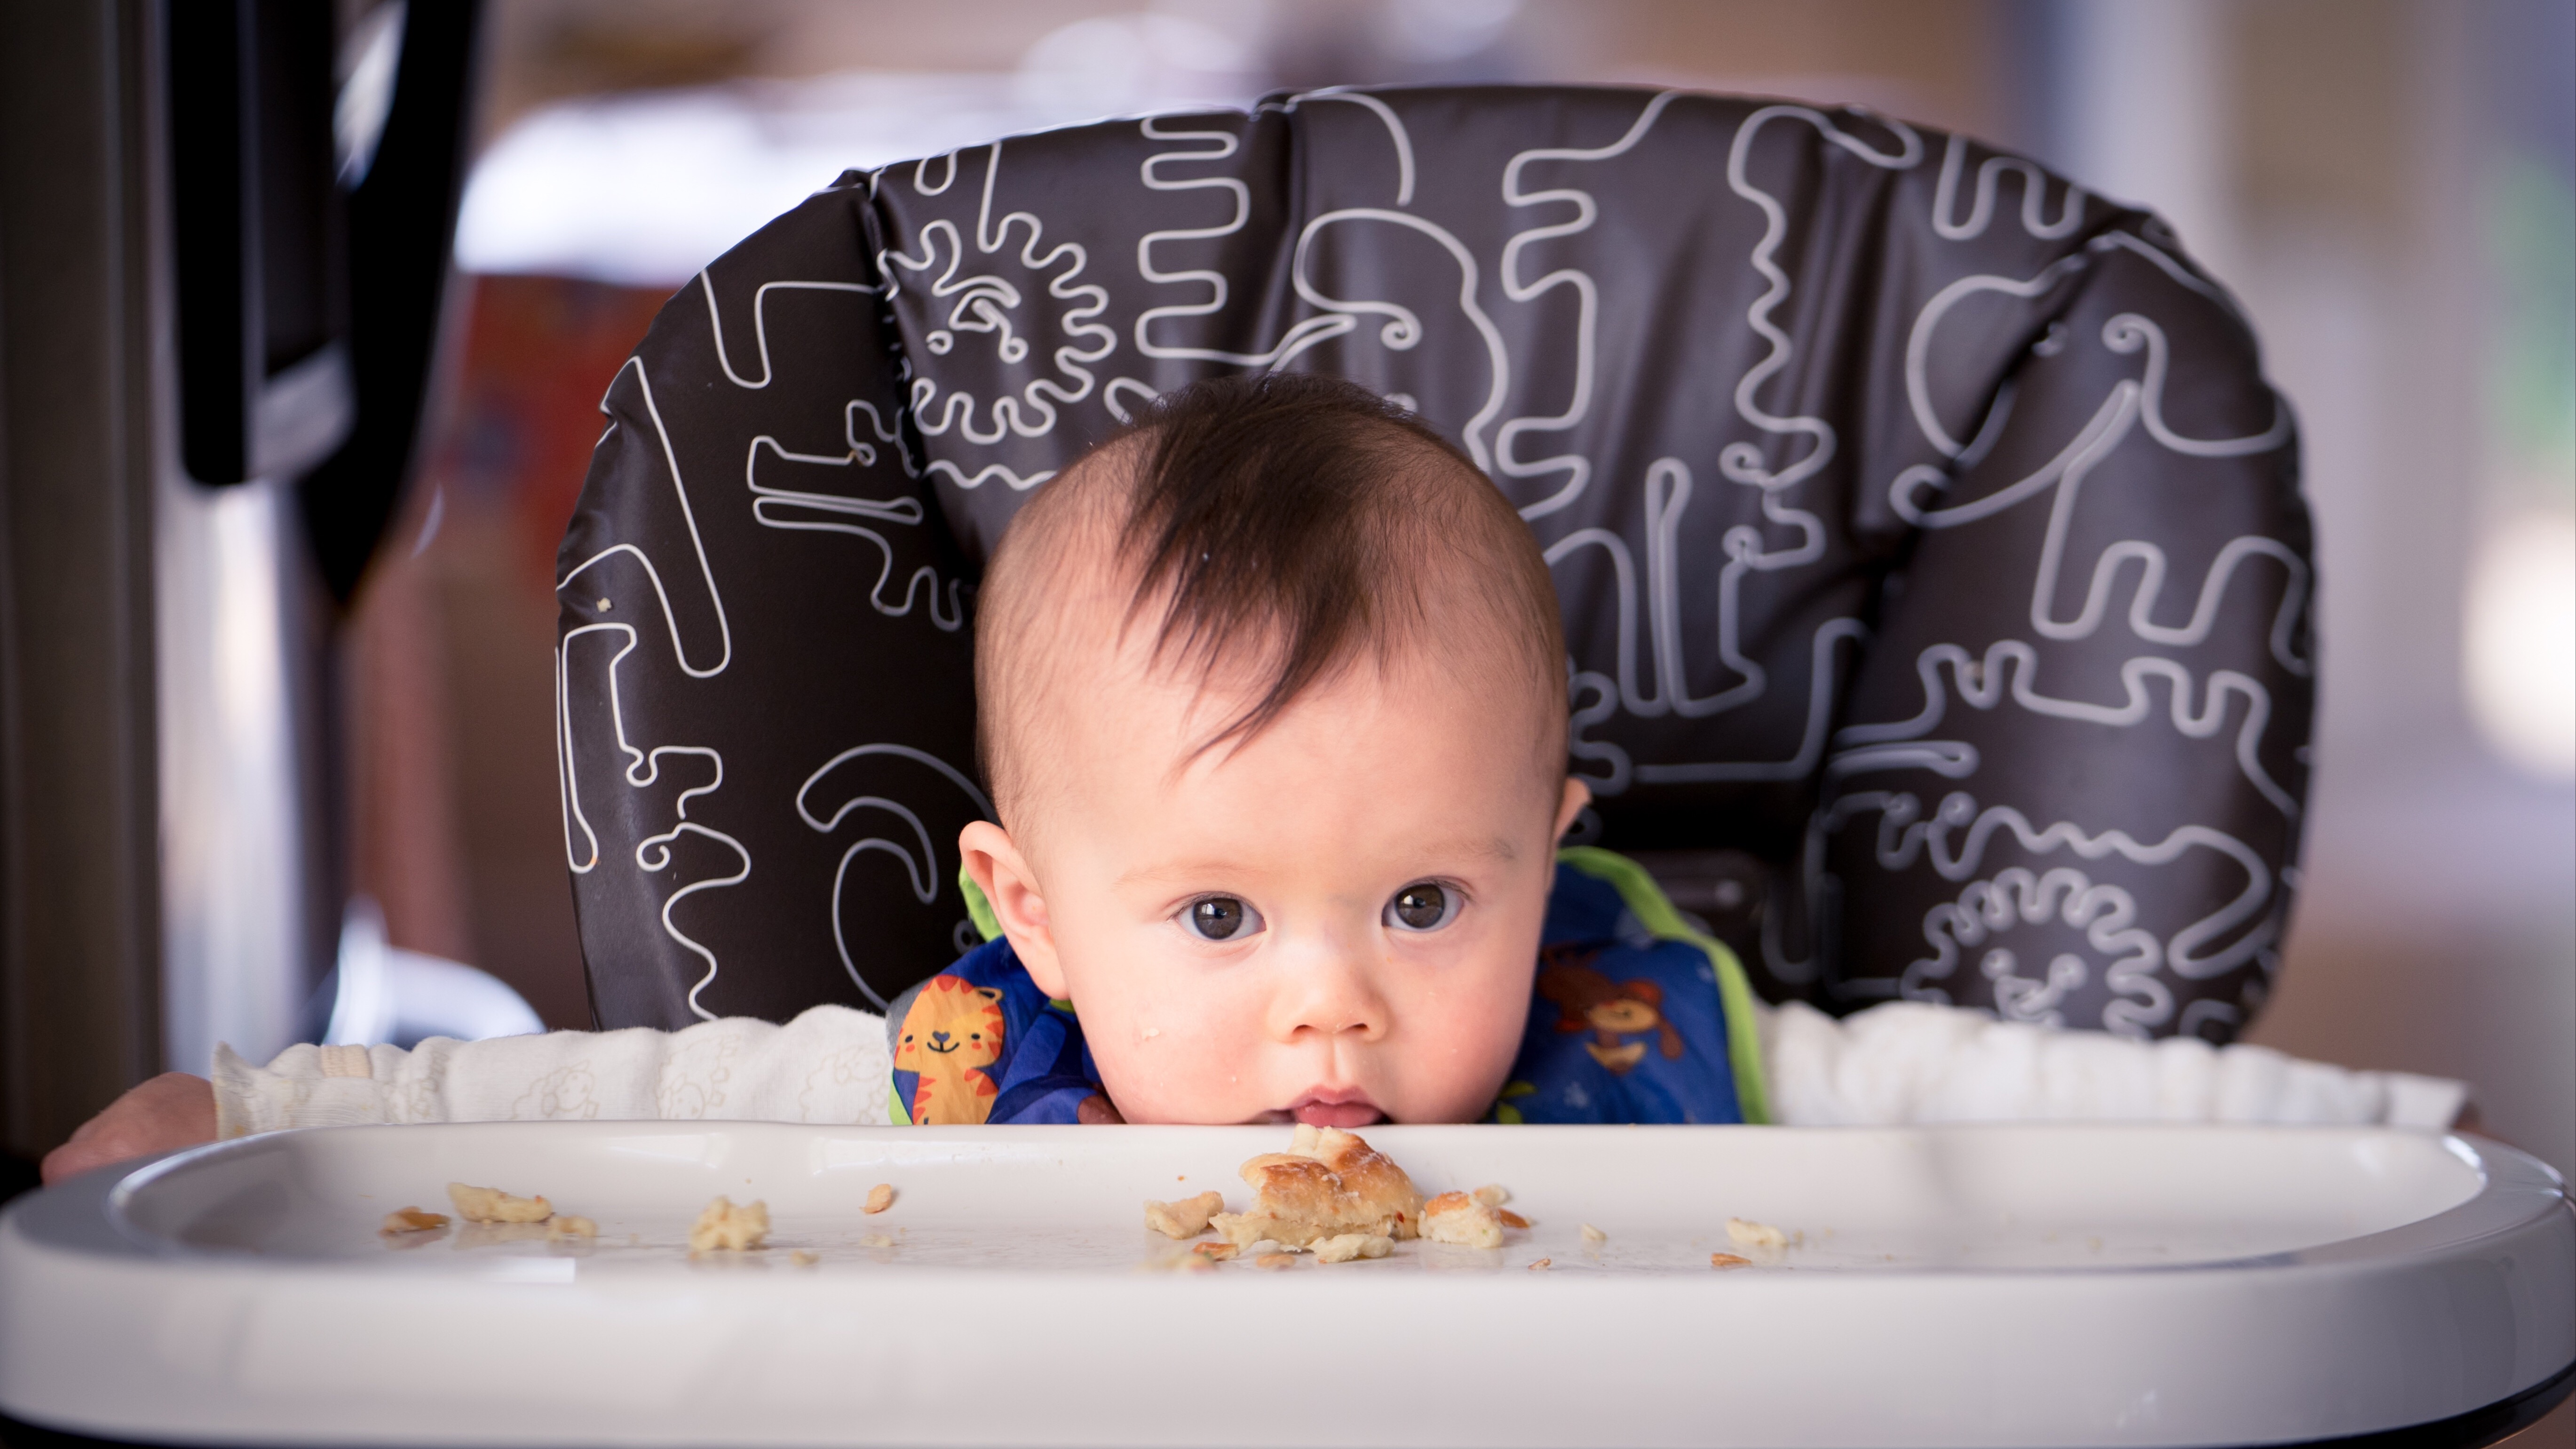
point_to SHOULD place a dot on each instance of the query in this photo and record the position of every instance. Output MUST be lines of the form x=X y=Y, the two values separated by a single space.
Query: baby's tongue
x=1344 y=1115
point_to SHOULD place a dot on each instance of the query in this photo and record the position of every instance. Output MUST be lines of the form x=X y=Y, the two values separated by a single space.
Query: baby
x=1273 y=700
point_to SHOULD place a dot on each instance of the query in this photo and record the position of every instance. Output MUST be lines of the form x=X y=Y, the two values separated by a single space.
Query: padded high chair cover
x=1925 y=530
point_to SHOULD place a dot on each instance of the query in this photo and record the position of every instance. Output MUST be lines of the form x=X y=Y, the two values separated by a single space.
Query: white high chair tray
x=2018 y=1285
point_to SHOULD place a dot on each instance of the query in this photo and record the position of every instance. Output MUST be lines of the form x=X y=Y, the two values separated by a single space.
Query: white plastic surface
x=1980 y=1285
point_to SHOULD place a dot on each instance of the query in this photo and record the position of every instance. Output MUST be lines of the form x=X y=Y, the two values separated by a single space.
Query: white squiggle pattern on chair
x=1224 y=145
x=982 y=303
x=1982 y=685
x=1743 y=461
x=2106 y=914
x=643 y=769
x=921 y=865
x=2034 y=183
x=1903 y=836
x=1576 y=467
x=680 y=491
x=760 y=319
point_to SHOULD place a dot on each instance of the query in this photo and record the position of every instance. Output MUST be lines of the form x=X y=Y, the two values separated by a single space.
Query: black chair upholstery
x=1934 y=568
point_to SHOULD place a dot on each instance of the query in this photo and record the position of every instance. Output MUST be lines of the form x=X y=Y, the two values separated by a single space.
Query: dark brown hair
x=1294 y=521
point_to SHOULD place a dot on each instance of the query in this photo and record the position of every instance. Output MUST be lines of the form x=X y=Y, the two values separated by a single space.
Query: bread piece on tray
x=1327 y=1184
x=1455 y=1217
x=1184 y=1219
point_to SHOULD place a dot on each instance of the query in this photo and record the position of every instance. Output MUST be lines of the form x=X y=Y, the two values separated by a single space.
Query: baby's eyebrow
x=1491 y=847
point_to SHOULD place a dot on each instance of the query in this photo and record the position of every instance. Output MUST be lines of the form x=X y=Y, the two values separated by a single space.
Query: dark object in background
x=1924 y=528
x=401 y=221
x=258 y=251
x=308 y=316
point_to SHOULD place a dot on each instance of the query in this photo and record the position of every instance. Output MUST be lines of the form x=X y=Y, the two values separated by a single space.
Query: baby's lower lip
x=1344 y=1115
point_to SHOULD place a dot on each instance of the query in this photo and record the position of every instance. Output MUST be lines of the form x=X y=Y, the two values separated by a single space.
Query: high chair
x=1936 y=583
x=1934 y=569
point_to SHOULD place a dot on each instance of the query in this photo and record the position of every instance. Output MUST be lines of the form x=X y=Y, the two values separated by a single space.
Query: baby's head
x=1272 y=695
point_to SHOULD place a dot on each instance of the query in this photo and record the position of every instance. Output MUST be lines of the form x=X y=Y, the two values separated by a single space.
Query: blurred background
x=351 y=792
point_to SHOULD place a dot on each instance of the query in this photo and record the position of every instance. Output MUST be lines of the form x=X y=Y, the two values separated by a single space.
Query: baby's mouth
x=1346 y=1110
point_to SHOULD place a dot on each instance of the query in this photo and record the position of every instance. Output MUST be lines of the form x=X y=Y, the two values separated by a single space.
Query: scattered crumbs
x=1542 y=1265
x=1492 y=1194
x=1728 y=1260
x=634 y=1240
x=411 y=1220
x=1510 y=1219
x=803 y=1259
x=1274 y=1261
x=565 y=1225
x=880 y=1197
x=1592 y=1234
x=1887 y=1257
x=605 y=606
x=1184 y=1177
x=1799 y=1237
x=876 y=1240
x=1215 y=1252
x=2094 y=1243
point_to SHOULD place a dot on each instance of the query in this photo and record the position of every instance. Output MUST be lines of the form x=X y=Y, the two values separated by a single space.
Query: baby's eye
x=1220 y=918
x=1422 y=906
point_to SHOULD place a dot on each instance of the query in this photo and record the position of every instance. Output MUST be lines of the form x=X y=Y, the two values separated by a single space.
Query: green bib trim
x=1656 y=912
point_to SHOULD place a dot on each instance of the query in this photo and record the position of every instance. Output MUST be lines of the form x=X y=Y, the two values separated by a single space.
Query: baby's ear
x=1570 y=804
x=1003 y=874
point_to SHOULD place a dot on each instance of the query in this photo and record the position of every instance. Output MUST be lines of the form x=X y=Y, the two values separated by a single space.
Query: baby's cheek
x=1459 y=1048
x=1171 y=1060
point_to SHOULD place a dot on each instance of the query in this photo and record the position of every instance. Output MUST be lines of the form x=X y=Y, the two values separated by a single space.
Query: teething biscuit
x=1327 y=1184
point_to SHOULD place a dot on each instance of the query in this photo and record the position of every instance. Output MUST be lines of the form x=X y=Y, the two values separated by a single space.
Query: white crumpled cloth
x=1902 y=1062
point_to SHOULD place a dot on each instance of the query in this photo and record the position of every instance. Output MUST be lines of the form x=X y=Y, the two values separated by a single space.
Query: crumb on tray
x=1492 y=1194
x=1728 y=1260
x=880 y=1197
x=876 y=1240
x=1215 y=1252
x=723 y=1226
x=1274 y=1261
x=492 y=1205
x=1454 y=1217
x=1542 y=1265
x=1186 y=1218
x=1592 y=1234
x=411 y=1220
x=1747 y=1234
x=565 y=1225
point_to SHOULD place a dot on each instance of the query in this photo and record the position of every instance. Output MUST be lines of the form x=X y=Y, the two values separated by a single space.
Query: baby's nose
x=1331 y=998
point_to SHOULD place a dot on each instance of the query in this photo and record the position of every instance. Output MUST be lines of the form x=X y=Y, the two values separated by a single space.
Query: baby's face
x=1335 y=922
